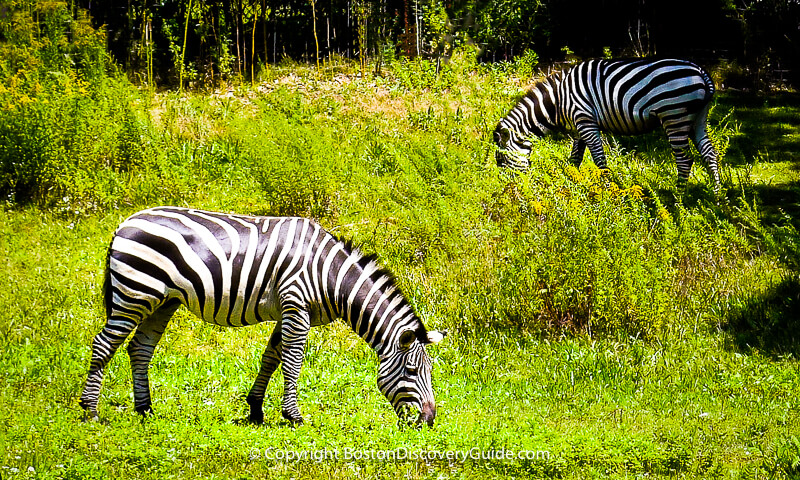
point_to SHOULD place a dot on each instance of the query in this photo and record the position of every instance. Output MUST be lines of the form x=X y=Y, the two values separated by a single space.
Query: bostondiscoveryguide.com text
x=400 y=454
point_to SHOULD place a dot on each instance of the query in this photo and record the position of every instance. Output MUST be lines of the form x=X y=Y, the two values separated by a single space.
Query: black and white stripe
x=625 y=97
x=234 y=270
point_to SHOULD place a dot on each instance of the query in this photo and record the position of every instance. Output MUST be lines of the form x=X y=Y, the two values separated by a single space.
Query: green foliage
x=521 y=70
x=788 y=455
x=62 y=119
x=41 y=38
x=510 y=21
x=584 y=254
x=297 y=189
x=525 y=64
x=422 y=74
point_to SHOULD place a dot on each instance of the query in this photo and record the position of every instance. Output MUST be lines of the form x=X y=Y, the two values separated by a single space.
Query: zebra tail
x=107 y=292
x=710 y=89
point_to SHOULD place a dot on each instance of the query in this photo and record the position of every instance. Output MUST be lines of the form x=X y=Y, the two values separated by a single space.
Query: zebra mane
x=363 y=261
x=552 y=78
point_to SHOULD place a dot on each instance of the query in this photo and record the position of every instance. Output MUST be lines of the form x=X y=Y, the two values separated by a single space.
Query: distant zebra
x=234 y=270
x=626 y=97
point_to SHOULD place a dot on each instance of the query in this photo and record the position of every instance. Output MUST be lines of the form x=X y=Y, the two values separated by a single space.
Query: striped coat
x=234 y=271
x=626 y=97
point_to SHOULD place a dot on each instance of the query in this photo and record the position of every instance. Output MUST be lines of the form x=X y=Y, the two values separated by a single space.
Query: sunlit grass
x=591 y=316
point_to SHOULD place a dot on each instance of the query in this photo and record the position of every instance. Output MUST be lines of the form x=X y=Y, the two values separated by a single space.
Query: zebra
x=626 y=97
x=234 y=270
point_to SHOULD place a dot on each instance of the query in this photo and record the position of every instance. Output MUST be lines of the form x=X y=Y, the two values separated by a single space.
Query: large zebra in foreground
x=626 y=97
x=234 y=270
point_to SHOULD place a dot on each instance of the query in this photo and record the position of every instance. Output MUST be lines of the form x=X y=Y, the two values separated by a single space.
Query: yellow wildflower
x=574 y=174
x=635 y=192
x=664 y=215
x=537 y=207
x=594 y=173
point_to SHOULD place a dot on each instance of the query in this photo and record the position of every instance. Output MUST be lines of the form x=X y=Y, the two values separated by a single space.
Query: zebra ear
x=407 y=338
x=436 y=337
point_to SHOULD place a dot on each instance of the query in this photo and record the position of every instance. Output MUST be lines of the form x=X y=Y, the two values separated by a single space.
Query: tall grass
x=411 y=177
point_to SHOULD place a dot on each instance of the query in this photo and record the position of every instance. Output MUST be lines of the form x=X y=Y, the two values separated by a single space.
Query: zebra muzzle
x=427 y=415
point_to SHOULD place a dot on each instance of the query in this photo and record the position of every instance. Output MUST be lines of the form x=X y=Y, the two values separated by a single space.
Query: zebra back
x=235 y=270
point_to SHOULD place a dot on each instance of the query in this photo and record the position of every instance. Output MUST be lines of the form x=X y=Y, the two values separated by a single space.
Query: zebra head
x=533 y=116
x=404 y=376
x=513 y=149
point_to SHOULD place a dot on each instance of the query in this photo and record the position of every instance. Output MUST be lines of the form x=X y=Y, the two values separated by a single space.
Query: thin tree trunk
x=253 y=48
x=264 y=30
x=185 y=34
x=314 y=20
x=238 y=21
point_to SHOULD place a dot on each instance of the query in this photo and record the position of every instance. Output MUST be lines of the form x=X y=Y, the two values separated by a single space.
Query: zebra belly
x=613 y=123
x=266 y=309
x=246 y=310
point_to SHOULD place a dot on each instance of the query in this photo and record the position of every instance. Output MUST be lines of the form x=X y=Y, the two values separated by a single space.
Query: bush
x=422 y=74
x=584 y=255
x=64 y=116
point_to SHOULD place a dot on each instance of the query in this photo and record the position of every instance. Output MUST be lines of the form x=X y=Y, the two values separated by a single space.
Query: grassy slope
x=671 y=385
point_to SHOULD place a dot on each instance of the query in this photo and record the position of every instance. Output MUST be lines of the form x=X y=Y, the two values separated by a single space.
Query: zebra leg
x=269 y=363
x=294 y=332
x=589 y=133
x=679 y=141
x=104 y=345
x=578 y=148
x=140 y=350
x=706 y=148
x=709 y=154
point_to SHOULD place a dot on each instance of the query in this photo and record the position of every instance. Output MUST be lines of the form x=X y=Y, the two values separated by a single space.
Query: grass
x=595 y=325
x=684 y=405
x=770 y=142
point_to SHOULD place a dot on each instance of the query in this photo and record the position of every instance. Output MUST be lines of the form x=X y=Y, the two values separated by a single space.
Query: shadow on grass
x=769 y=131
x=780 y=204
x=770 y=322
x=768 y=125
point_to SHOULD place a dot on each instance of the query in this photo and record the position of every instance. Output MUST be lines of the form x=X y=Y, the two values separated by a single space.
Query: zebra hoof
x=296 y=420
x=256 y=410
x=145 y=411
x=90 y=417
x=256 y=418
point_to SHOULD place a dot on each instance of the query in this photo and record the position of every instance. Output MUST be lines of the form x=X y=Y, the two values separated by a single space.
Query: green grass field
x=597 y=327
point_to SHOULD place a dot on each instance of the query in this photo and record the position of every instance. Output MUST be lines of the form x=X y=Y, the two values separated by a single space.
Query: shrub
x=64 y=116
x=422 y=74
x=586 y=255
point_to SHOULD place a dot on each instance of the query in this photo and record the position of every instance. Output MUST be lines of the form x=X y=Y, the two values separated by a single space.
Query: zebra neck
x=366 y=298
x=553 y=105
